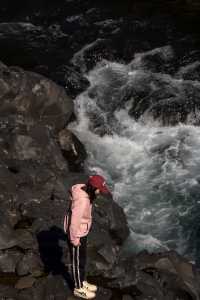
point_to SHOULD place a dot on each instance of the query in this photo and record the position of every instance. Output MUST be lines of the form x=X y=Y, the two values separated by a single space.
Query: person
x=77 y=225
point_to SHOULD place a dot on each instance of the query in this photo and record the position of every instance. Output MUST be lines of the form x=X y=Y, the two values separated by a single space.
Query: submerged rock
x=144 y=94
x=73 y=82
x=156 y=60
x=189 y=72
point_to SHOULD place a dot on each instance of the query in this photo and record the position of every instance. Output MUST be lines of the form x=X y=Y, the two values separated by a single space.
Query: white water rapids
x=153 y=171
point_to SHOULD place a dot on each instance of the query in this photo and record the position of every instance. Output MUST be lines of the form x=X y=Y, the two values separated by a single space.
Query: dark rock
x=153 y=276
x=103 y=294
x=189 y=72
x=30 y=264
x=29 y=142
x=156 y=60
x=8 y=292
x=122 y=276
x=25 y=282
x=25 y=239
x=30 y=44
x=165 y=264
x=31 y=96
x=9 y=260
x=72 y=80
x=111 y=228
x=8 y=239
x=162 y=97
x=181 y=108
x=91 y=54
x=112 y=217
x=127 y=297
x=72 y=149
x=46 y=288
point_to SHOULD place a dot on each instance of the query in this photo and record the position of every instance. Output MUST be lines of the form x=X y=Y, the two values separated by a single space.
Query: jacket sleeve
x=78 y=208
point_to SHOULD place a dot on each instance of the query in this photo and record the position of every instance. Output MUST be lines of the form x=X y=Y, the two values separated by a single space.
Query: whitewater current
x=152 y=170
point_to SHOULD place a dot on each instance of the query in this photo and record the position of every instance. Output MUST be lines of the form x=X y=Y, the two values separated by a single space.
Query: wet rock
x=74 y=82
x=164 y=98
x=189 y=72
x=156 y=60
x=72 y=149
x=92 y=53
x=145 y=94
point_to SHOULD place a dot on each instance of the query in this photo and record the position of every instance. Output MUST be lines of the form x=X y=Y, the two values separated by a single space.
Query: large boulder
x=33 y=97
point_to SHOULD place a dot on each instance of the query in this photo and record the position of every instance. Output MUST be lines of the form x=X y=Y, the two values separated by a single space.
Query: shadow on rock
x=52 y=253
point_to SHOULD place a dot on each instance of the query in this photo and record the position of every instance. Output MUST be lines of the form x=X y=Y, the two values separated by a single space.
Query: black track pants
x=78 y=258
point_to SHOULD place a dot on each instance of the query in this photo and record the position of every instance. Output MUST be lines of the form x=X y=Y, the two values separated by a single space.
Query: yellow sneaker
x=89 y=286
x=84 y=293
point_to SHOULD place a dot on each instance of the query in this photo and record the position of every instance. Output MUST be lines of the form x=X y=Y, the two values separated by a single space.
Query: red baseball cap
x=99 y=182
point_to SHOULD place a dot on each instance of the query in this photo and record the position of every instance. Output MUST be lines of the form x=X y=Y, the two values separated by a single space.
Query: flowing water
x=153 y=171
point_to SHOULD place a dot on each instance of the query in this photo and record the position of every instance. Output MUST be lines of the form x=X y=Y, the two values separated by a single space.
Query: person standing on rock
x=77 y=225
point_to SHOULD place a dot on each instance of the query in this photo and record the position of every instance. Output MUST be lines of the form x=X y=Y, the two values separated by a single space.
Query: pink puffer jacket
x=81 y=214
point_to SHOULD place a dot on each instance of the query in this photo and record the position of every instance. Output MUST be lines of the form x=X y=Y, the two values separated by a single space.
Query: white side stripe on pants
x=73 y=266
x=78 y=267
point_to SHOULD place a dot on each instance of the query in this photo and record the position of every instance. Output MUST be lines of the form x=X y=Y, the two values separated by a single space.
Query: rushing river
x=153 y=171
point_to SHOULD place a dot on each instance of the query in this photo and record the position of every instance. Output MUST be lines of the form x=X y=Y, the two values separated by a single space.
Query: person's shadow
x=51 y=253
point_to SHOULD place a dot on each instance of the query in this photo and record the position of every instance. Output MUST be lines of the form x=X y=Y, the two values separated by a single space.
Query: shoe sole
x=83 y=296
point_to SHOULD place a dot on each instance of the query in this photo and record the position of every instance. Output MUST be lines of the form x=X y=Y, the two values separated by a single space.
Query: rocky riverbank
x=40 y=157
